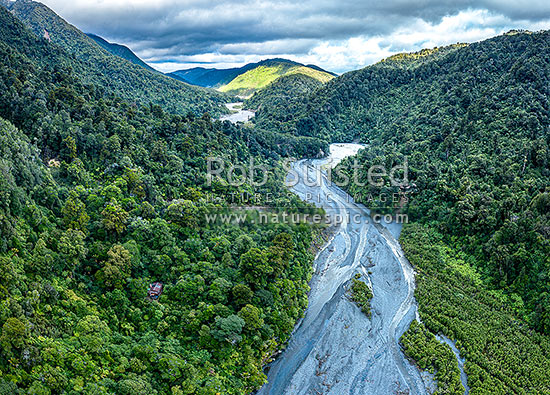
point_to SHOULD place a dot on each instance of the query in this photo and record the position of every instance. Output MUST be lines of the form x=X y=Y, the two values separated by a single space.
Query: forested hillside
x=104 y=190
x=472 y=122
x=503 y=354
x=281 y=100
x=94 y=65
x=475 y=128
x=100 y=197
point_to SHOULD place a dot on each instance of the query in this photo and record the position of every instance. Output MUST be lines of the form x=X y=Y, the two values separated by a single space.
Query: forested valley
x=104 y=190
x=100 y=197
x=472 y=123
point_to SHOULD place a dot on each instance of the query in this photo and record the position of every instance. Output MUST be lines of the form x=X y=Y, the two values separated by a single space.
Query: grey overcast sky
x=339 y=35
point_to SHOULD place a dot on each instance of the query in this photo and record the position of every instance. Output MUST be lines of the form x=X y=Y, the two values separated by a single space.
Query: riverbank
x=336 y=348
x=454 y=301
x=460 y=360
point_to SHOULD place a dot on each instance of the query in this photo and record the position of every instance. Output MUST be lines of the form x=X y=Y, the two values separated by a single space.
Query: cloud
x=337 y=35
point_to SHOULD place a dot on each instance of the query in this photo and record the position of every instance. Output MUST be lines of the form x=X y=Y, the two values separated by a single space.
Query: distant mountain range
x=246 y=80
x=210 y=78
x=241 y=81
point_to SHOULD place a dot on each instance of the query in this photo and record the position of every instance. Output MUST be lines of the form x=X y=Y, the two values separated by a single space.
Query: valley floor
x=336 y=348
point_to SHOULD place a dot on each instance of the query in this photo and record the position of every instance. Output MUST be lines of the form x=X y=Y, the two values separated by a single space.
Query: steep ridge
x=120 y=50
x=282 y=100
x=357 y=104
x=99 y=198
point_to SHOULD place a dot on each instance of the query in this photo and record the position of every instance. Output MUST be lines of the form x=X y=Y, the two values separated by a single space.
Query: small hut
x=155 y=290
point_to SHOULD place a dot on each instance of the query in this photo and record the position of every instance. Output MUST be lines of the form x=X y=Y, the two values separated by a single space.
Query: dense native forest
x=472 y=122
x=104 y=190
x=504 y=355
x=283 y=99
x=99 y=197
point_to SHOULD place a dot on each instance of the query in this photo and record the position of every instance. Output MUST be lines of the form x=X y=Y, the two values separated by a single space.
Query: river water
x=336 y=349
x=237 y=113
x=460 y=360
